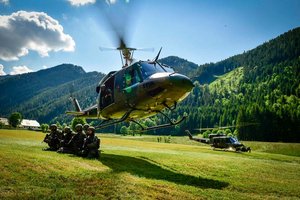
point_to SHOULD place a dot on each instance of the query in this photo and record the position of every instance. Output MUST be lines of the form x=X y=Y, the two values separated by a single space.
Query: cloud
x=23 y=31
x=2 y=73
x=5 y=2
x=20 y=70
x=81 y=2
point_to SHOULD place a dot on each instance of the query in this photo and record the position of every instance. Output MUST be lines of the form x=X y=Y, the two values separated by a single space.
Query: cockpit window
x=167 y=68
x=233 y=140
x=148 y=69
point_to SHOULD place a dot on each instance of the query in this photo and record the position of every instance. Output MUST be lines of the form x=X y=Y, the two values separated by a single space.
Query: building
x=4 y=121
x=30 y=124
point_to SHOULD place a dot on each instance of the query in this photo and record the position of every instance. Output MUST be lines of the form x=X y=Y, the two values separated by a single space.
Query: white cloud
x=45 y=67
x=23 y=31
x=20 y=70
x=81 y=2
x=2 y=73
x=5 y=2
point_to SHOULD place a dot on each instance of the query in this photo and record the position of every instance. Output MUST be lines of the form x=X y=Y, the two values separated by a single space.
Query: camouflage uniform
x=77 y=140
x=53 y=138
x=91 y=144
x=66 y=146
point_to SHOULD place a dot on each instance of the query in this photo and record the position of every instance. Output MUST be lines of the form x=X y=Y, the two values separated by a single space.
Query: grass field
x=142 y=168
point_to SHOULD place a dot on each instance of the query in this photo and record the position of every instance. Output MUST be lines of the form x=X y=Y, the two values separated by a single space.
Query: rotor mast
x=126 y=55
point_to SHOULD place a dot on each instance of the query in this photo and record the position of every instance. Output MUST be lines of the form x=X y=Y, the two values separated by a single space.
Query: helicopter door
x=107 y=93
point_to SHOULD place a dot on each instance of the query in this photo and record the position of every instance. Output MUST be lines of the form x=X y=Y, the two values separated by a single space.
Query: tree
x=124 y=130
x=1 y=125
x=44 y=127
x=15 y=119
x=76 y=121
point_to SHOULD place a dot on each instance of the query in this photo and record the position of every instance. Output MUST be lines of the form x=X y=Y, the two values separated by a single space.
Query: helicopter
x=139 y=90
x=221 y=141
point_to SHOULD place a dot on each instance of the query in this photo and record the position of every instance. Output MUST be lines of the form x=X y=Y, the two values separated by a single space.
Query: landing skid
x=107 y=123
x=170 y=124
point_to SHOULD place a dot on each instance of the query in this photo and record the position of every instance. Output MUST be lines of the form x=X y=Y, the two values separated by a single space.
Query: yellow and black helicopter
x=139 y=90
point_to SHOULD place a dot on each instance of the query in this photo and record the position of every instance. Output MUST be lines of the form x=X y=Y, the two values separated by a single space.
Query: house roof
x=31 y=123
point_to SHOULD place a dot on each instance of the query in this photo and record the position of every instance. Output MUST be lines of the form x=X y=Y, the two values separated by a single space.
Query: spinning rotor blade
x=118 y=16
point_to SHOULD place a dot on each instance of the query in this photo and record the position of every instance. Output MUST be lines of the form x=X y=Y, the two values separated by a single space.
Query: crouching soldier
x=77 y=140
x=53 y=138
x=66 y=143
x=91 y=144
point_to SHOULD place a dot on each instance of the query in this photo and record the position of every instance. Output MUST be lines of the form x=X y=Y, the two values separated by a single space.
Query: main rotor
x=126 y=54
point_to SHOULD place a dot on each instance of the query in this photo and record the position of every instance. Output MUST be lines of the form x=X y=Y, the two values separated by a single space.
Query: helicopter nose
x=181 y=82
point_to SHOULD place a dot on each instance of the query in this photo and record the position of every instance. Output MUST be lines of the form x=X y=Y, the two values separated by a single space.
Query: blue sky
x=200 y=31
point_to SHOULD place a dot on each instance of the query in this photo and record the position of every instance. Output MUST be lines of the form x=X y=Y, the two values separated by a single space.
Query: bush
x=124 y=130
x=76 y=121
x=206 y=133
x=228 y=131
x=44 y=127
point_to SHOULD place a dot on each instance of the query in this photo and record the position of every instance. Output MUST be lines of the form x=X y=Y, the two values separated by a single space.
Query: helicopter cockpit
x=148 y=68
x=131 y=75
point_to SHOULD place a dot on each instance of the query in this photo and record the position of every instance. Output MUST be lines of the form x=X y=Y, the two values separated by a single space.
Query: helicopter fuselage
x=143 y=89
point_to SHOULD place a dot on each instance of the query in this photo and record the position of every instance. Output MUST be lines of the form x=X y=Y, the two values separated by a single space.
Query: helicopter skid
x=170 y=124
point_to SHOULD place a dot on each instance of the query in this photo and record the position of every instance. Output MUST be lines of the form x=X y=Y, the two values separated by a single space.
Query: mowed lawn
x=139 y=168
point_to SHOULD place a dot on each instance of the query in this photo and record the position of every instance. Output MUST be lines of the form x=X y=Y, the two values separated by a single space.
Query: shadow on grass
x=144 y=168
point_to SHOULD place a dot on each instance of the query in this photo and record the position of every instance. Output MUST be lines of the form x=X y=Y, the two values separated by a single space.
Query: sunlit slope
x=132 y=169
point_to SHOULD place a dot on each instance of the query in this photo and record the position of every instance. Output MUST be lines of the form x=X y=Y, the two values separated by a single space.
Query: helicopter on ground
x=139 y=90
x=221 y=141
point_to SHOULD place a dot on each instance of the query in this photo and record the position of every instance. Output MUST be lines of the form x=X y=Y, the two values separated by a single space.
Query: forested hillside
x=263 y=93
x=180 y=65
x=43 y=95
x=284 y=48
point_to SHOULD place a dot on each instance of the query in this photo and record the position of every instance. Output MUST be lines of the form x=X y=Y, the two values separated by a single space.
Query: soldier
x=91 y=144
x=77 y=140
x=85 y=127
x=66 y=145
x=53 y=138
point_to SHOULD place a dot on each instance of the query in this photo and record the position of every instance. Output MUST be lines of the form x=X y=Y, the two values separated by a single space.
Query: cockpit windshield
x=148 y=69
x=233 y=140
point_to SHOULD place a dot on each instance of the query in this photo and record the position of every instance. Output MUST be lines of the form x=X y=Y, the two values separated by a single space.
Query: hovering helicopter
x=139 y=90
x=221 y=141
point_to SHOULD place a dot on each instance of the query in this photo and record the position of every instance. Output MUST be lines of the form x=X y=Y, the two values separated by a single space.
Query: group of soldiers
x=82 y=143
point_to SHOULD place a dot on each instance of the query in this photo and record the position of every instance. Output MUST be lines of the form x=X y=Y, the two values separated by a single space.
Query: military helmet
x=91 y=128
x=78 y=127
x=86 y=126
x=67 y=129
x=53 y=127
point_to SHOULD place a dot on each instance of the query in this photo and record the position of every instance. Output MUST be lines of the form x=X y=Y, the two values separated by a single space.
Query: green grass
x=141 y=168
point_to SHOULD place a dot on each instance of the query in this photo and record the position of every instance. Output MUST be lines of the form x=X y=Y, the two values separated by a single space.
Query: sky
x=38 y=34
